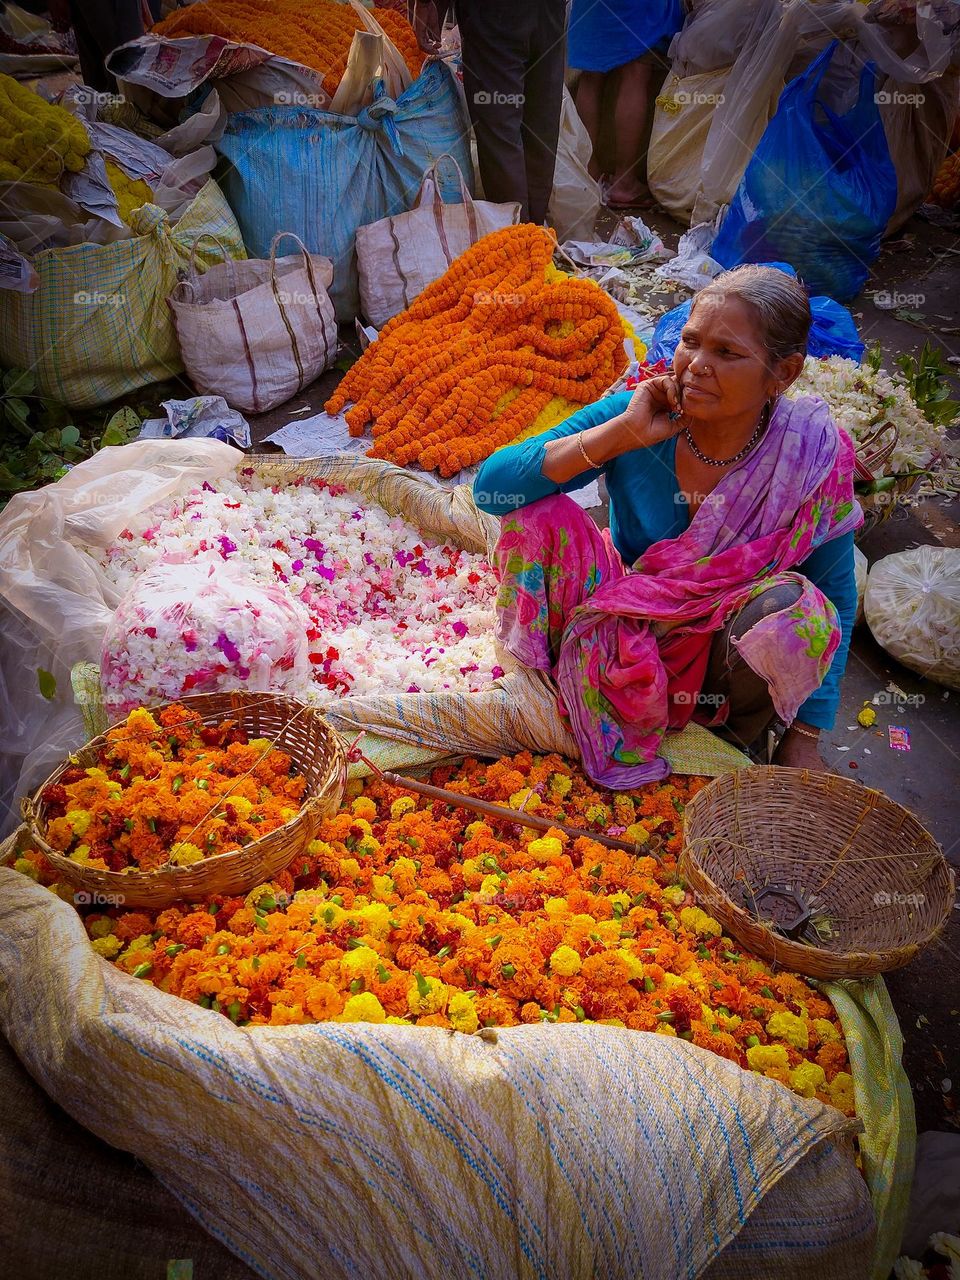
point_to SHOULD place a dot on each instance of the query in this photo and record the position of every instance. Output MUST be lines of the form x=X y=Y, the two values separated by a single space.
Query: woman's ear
x=787 y=370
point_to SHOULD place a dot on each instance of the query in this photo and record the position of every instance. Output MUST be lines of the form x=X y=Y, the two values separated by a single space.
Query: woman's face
x=721 y=362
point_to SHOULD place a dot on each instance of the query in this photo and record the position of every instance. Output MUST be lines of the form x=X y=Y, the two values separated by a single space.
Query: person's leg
x=730 y=683
x=543 y=100
x=494 y=64
x=630 y=121
x=588 y=98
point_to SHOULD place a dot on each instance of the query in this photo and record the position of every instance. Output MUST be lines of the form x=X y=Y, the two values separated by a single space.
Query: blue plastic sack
x=322 y=175
x=833 y=332
x=818 y=191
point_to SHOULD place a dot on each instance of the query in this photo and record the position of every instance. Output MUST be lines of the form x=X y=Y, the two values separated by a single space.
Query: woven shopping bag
x=256 y=332
x=398 y=257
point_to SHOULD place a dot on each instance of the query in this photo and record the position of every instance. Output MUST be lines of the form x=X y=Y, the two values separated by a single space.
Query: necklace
x=726 y=462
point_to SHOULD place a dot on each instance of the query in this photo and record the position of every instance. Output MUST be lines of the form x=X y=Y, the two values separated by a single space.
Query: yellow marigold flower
x=363 y=807
x=332 y=916
x=807 y=1078
x=81 y=854
x=525 y=799
x=565 y=962
x=545 y=849
x=402 y=805
x=142 y=942
x=398 y=1022
x=404 y=866
x=317 y=847
x=787 y=1026
x=675 y=896
x=349 y=868
x=260 y=745
x=368 y=846
x=427 y=995
x=620 y=899
x=100 y=928
x=80 y=820
x=637 y=832
x=185 y=854
x=375 y=918
x=664 y=1029
x=141 y=721
x=866 y=716
x=477 y=829
x=671 y=980
x=490 y=885
x=634 y=966
x=764 y=1057
x=555 y=906
x=364 y=1007
x=560 y=784
x=699 y=922
x=241 y=806
x=462 y=1013
x=825 y=1030
x=359 y=962
x=27 y=868
x=107 y=946
x=287 y=813
x=266 y=890
x=364 y=826
x=383 y=887
x=841 y=1091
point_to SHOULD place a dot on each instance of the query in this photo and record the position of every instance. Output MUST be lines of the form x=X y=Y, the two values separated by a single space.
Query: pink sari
x=622 y=643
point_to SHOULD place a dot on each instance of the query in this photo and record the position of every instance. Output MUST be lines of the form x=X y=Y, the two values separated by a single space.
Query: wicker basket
x=295 y=728
x=876 y=881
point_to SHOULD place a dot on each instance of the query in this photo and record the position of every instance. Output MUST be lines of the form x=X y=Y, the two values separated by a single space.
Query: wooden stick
x=518 y=816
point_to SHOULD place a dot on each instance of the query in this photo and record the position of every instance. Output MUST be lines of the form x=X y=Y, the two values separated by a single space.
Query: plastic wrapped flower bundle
x=415 y=912
x=481 y=354
x=154 y=795
x=863 y=400
x=315 y=33
x=374 y=605
x=39 y=142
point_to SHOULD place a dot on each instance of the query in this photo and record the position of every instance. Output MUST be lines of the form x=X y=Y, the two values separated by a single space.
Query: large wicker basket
x=295 y=728
x=875 y=880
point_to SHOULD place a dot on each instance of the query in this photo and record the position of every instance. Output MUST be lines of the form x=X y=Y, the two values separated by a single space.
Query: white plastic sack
x=918 y=120
x=199 y=628
x=682 y=116
x=399 y=256
x=860 y=570
x=912 y=606
x=257 y=331
x=575 y=200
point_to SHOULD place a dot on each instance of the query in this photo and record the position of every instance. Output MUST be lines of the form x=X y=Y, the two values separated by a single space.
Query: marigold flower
x=462 y=1013
x=841 y=1092
x=763 y=1057
x=807 y=1078
x=400 y=806
x=185 y=854
x=107 y=946
x=787 y=1026
x=699 y=922
x=545 y=849
x=565 y=961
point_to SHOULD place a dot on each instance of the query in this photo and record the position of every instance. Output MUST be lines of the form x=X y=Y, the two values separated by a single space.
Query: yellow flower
x=185 y=854
x=490 y=885
x=763 y=1057
x=100 y=928
x=841 y=1091
x=462 y=1014
x=364 y=826
x=525 y=799
x=637 y=832
x=787 y=1026
x=27 y=868
x=242 y=806
x=140 y=721
x=81 y=854
x=634 y=966
x=332 y=916
x=349 y=868
x=699 y=922
x=675 y=895
x=400 y=806
x=545 y=849
x=807 y=1078
x=664 y=1029
x=360 y=962
x=383 y=887
x=671 y=980
x=107 y=946
x=555 y=906
x=363 y=807
x=565 y=962
x=477 y=829
x=80 y=820
x=866 y=716
x=560 y=784
x=427 y=995
x=288 y=814
x=620 y=899
x=375 y=918
x=825 y=1030
x=364 y=1007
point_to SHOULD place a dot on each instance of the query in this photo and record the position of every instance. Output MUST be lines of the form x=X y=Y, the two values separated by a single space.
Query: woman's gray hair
x=780 y=301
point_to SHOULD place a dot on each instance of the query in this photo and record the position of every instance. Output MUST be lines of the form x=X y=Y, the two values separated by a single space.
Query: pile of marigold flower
x=315 y=33
x=481 y=353
x=39 y=141
x=415 y=912
x=170 y=789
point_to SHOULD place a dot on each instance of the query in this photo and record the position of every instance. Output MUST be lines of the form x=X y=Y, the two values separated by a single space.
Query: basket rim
x=172 y=872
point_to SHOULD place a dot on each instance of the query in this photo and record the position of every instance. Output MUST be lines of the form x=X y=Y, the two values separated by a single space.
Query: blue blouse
x=645 y=506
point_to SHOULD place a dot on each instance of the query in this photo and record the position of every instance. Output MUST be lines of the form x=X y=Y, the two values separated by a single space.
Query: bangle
x=594 y=466
x=806 y=733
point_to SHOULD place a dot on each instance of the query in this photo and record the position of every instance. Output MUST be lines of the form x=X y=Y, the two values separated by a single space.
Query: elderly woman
x=724 y=587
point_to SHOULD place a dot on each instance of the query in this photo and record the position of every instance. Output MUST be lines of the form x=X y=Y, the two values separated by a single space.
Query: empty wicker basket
x=874 y=881
x=293 y=727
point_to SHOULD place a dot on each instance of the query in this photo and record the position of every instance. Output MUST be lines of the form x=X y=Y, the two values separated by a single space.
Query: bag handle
x=430 y=180
x=206 y=235
x=281 y=305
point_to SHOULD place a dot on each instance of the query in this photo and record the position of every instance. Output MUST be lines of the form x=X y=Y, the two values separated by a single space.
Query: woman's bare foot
x=627 y=192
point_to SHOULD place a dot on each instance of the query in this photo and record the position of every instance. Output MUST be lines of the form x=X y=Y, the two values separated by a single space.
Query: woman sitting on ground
x=724 y=588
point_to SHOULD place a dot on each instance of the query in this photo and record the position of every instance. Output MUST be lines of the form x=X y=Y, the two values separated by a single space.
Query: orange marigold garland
x=480 y=353
x=315 y=33
x=414 y=912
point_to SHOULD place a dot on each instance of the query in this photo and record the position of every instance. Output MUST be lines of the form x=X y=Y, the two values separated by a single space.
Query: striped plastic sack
x=98 y=326
x=412 y=1153
x=350 y=170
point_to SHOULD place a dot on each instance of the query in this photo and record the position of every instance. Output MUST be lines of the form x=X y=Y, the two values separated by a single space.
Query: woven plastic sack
x=256 y=332
x=350 y=170
x=99 y=325
x=338 y=1150
x=912 y=606
x=398 y=257
x=239 y=632
x=860 y=570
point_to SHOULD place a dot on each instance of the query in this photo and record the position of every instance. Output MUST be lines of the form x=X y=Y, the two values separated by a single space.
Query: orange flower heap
x=170 y=789
x=418 y=913
x=480 y=353
x=315 y=33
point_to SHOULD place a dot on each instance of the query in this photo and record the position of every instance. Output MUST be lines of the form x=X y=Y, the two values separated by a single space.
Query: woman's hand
x=799 y=751
x=646 y=419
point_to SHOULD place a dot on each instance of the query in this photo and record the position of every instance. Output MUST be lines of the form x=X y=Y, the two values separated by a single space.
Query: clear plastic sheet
x=912 y=606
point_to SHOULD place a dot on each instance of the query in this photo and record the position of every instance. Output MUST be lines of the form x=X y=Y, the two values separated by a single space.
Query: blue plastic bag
x=322 y=175
x=833 y=332
x=818 y=191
